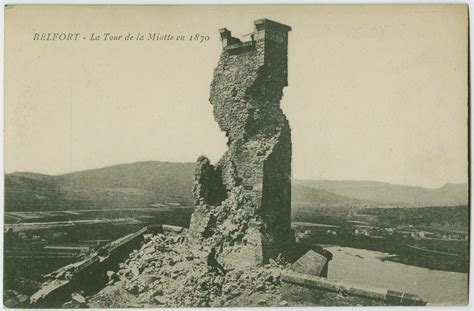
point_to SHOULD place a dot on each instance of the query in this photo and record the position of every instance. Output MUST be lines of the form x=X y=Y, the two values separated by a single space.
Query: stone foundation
x=310 y=289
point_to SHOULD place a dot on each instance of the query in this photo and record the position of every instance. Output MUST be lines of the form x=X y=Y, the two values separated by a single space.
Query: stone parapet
x=300 y=286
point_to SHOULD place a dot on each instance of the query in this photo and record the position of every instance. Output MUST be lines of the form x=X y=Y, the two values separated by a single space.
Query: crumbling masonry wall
x=244 y=201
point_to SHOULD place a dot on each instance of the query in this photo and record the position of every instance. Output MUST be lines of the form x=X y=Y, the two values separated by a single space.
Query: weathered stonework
x=245 y=199
x=208 y=187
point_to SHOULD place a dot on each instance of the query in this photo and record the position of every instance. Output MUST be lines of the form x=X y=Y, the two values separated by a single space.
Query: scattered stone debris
x=177 y=274
x=112 y=277
x=78 y=298
x=58 y=280
x=113 y=296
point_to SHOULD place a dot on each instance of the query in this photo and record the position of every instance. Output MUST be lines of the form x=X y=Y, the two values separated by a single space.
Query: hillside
x=25 y=194
x=390 y=194
x=172 y=179
x=119 y=186
x=304 y=195
x=144 y=183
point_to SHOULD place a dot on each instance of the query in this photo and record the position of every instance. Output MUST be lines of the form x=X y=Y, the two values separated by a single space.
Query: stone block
x=170 y=228
x=200 y=225
x=310 y=263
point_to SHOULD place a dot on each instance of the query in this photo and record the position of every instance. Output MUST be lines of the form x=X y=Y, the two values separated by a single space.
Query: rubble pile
x=240 y=231
x=235 y=233
x=240 y=237
x=168 y=271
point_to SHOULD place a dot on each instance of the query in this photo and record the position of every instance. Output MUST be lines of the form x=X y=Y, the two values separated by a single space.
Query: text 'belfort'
x=106 y=36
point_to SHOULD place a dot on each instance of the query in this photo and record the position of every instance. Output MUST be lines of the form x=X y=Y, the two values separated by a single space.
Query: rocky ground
x=174 y=270
x=167 y=272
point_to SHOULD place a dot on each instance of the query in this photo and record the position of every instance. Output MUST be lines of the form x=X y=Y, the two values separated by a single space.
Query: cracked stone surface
x=244 y=201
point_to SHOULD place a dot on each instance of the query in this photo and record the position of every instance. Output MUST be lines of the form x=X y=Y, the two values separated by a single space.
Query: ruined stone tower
x=245 y=199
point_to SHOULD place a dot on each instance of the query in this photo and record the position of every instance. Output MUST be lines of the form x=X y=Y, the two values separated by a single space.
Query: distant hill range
x=390 y=194
x=145 y=183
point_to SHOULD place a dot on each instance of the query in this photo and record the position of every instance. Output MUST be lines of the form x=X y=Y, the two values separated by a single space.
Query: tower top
x=266 y=24
x=264 y=29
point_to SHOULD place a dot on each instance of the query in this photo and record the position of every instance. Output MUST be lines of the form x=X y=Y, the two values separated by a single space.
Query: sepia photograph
x=172 y=156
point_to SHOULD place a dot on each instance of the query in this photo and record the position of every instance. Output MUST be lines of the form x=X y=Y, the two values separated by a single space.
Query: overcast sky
x=375 y=93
